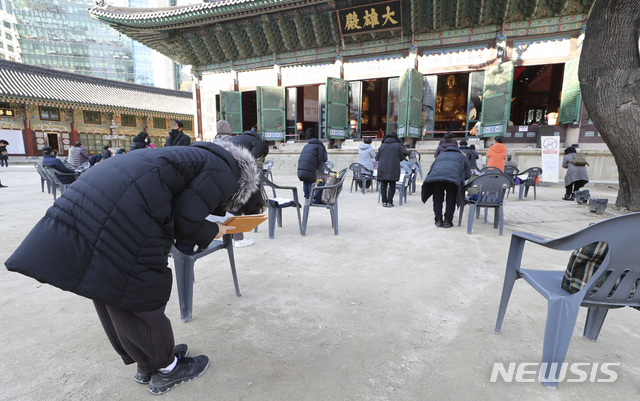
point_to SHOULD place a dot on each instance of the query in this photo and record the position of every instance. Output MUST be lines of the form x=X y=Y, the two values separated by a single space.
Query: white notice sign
x=550 y=158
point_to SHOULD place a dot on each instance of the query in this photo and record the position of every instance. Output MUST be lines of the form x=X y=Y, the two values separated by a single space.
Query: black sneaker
x=185 y=370
x=180 y=350
x=447 y=224
x=438 y=223
x=389 y=204
x=384 y=204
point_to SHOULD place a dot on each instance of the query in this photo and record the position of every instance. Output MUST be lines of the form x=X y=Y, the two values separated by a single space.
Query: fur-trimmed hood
x=249 y=179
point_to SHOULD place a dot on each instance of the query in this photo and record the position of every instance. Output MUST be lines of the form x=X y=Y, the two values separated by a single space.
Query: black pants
x=142 y=337
x=574 y=186
x=444 y=192
x=387 y=190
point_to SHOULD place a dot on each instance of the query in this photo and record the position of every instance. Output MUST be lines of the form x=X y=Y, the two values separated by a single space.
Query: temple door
x=231 y=109
x=496 y=104
x=337 y=120
x=410 y=104
x=571 y=99
x=430 y=90
x=271 y=112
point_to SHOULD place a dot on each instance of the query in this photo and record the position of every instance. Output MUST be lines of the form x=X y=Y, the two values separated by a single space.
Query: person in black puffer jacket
x=447 y=174
x=139 y=141
x=176 y=136
x=311 y=158
x=389 y=156
x=250 y=140
x=108 y=237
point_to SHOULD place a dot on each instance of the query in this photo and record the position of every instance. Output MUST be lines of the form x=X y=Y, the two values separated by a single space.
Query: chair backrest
x=359 y=171
x=51 y=172
x=622 y=283
x=42 y=174
x=491 y=188
x=331 y=192
x=532 y=175
x=511 y=171
x=414 y=157
x=490 y=170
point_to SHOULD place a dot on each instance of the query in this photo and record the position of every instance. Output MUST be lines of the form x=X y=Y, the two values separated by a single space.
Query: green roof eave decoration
x=233 y=32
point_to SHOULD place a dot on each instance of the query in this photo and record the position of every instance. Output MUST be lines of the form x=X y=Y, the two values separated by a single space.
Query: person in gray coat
x=445 y=182
x=576 y=176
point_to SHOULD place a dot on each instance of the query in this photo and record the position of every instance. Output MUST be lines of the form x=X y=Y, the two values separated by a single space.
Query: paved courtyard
x=392 y=308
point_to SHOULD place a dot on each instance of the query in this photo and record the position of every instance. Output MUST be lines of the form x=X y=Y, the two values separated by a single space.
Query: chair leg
x=472 y=209
x=184 y=282
x=534 y=191
x=460 y=214
x=510 y=277
x=520 y=191
x=299 y=219
x=305 y=217
x=364 y=186
x=228 y=243
x=272 y=221
x=562 y=314
x=593 y=324
x=334 y=217
x=279 y=213
x=501 y=217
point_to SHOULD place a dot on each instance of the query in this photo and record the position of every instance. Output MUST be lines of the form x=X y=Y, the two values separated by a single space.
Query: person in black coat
x=109 y=235
x=445 y=182
x=50 y=160
x=470 y=152
x=250 y=140
x=139 y=141
x=106 y=152
x=176 y=136
x=389 y=156
x=311 y=158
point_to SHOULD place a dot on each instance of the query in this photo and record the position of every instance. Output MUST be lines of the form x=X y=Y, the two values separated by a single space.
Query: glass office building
x=9 y=44
x=61 y=34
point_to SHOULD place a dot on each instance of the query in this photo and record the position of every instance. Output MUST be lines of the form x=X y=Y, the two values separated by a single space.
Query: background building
x=9 y=44
x=61 y=34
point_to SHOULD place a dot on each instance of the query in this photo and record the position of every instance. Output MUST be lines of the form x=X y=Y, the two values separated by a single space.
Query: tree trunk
x=609 y=75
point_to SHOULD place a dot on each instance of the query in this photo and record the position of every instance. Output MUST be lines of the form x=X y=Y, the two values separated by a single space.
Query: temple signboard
x=370 y=18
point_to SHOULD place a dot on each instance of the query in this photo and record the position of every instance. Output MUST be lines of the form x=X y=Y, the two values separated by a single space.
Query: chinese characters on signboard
x=6 y=113
x=370 y=18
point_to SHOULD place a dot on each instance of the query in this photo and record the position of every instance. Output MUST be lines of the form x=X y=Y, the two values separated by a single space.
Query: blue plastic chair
x=333 y=208
x=531 y=181
x=361 y=175
x=620 y=272
x=185 y=276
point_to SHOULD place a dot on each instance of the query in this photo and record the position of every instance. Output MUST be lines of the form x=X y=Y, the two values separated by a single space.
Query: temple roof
x=31 y=84
x=232 y=32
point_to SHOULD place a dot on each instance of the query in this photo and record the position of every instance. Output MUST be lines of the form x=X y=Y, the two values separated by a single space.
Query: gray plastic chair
x=361 y=175
x=403 y=187
x=491 y=191
x=266 y=169
x=55 y=182
x=333 y=209
x=620 y=270
x=44 y=178
x=532 y=176
x=414 y=158
x=185 y=276
x=511 y=172
x=275 y=208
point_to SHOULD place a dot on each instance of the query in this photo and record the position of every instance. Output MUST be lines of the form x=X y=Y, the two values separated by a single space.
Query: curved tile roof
x=26 y=82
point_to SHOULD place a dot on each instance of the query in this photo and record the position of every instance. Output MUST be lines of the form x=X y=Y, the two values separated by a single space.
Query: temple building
x=42 y=107
x=347 y=68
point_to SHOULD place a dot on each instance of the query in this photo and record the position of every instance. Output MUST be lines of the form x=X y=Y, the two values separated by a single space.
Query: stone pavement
x=392 y=308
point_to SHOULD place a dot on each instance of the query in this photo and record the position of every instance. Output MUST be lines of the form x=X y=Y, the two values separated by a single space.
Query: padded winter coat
x=108 y=236
x=177 y=138
x=250 y=140
x=311 y=158
x=450 y=166
x=496 y=155
x=389 y=156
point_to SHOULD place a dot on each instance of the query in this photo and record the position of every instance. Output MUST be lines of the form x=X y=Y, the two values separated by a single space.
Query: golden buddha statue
x=450 y=102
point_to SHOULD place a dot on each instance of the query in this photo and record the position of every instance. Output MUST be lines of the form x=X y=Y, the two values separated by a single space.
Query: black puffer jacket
x=138 y=141
x=311 y=158
x=450 y=166
x=250 y=140
x=389 y=156
x=108 y=236
x=177 y=138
